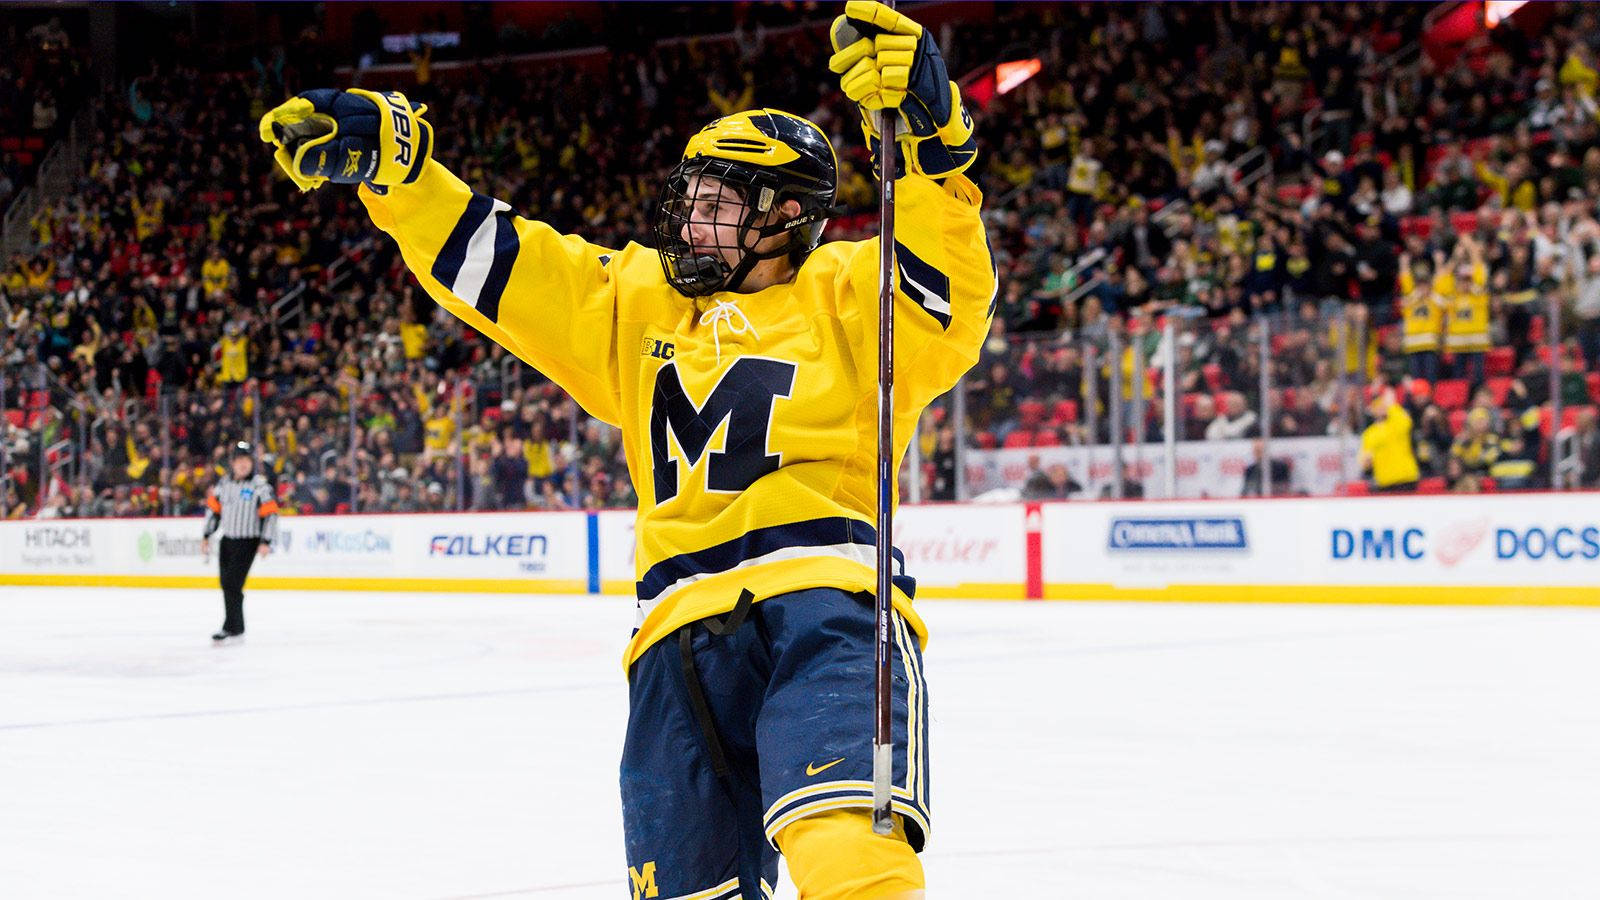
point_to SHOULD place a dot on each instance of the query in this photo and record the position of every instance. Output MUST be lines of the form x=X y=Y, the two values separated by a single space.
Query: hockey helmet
x=764 y=157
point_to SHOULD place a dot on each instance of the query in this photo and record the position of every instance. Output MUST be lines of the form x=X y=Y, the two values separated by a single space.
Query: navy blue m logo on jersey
x=744 y=398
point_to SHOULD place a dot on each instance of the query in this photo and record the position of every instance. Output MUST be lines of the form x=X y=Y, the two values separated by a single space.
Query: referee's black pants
x=235 y=555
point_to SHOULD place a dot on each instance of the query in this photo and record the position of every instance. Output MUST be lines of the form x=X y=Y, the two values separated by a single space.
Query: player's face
x=715 y=213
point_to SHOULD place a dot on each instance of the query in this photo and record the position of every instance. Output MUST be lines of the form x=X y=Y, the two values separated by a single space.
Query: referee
x=244 y=508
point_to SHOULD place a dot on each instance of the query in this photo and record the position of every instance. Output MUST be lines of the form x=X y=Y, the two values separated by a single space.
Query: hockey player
x=739 y=358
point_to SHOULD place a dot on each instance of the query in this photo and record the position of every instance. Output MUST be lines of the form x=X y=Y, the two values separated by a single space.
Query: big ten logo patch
x=657 y=349
x=643 y=880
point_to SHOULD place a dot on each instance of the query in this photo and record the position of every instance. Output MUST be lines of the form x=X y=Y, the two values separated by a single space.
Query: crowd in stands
x=1398 y=220
x=184 y=296
x=42 y=83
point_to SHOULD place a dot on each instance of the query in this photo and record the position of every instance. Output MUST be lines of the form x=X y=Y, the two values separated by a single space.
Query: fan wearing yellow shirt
x=216 y=274
x=1386 y=446
x=1423 y=314
x=739 y=359
x=233 y=356
x=1464 y=285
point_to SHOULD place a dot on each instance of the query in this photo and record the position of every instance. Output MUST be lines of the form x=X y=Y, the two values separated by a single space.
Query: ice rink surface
x=457 y=747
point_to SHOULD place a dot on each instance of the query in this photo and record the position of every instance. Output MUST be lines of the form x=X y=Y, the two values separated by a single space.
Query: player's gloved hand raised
x=887 y=61
x=349 y=137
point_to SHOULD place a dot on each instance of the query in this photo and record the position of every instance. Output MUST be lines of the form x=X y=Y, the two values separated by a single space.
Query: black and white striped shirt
x=243 y=509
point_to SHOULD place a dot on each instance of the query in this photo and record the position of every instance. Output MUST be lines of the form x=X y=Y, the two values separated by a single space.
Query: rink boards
x=1498 y=549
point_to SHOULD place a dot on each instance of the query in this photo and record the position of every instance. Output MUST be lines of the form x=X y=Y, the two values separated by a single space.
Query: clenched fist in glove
x=349 y=137
x=887 y=61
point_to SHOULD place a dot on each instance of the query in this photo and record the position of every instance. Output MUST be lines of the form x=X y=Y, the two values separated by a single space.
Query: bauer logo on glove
x=349 y=137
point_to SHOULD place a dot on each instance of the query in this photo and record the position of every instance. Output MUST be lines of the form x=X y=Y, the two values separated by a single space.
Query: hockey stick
x=883 y=736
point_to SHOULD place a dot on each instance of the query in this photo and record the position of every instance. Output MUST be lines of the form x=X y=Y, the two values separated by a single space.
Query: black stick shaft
x=883 y=736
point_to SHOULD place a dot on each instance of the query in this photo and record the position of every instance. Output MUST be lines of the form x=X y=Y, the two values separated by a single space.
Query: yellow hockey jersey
x=751 y=440
x=1424 y=315
x=1467 y=329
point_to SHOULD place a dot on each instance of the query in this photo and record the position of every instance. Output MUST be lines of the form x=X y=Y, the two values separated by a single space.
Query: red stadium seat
x=1421 y=226
x=1294 y=193
x=1594 y=386
x=1569 y=415
x=1487 y=485
x=1436 y=485
x=34 y=416
x=1019 y=438
x=985 y=440
x=10 y=144
x=1458 y=418
x=1451 y=393
x=1499 y=388
x=1464 y=222
x=1189 y=401
x=33 y=142
x=1356 y=489
x=1499 y=361
x=1047 y=438
x=16 y=417
x=1032 y=412
x=1066 y=411
x=1536 y=329
x=1212 y=373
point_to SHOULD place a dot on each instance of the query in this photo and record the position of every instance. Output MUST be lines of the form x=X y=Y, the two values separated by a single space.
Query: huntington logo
x=153 y=545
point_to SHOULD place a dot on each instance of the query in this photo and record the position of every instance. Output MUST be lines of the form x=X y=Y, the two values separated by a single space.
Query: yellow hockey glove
x=887 y=61
x=349 y=137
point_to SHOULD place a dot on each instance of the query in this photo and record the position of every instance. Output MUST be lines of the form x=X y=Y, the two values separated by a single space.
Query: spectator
x=1234 y=421
x=1423 y=315
x=1477 y=447
x=1257 y=480
x=1053 y=483
x=1518 y=461
x=1386 y=446
x=1585 y=253
x=1464 y=286
x=1587 y=439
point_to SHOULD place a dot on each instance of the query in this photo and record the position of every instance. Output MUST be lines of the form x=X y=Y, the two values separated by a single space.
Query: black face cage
x=698 y=271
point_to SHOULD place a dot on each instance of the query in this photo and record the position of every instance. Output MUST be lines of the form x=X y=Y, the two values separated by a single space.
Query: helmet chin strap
x=751 y=257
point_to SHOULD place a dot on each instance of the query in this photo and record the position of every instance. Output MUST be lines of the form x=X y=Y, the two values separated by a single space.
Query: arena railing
x=1144 y=417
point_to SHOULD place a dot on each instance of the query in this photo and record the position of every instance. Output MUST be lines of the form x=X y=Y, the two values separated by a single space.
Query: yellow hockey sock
x=835 y=855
